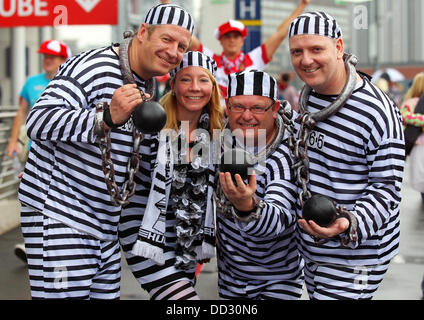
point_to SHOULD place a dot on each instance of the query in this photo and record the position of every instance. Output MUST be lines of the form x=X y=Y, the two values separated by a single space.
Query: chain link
x=128 y=188
x=307 y=121
x=298 y=148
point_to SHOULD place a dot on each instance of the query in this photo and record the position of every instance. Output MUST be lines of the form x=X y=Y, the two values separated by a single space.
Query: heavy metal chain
x=298 y=148
x=128 y=189
x=307 y=121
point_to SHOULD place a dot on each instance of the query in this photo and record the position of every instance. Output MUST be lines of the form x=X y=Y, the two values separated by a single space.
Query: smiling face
x=159 y=49
x=318 y=61
x=193 y=89
x=248 y=123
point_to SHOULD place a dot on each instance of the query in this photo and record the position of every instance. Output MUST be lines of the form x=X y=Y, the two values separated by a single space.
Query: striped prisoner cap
x=196 y=59
x=252 y=83
x=316 y=23
x=170 y=14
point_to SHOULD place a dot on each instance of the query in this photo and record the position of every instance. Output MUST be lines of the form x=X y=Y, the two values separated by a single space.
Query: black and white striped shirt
x=264 y=249
x=63 y=177
x=357 y=159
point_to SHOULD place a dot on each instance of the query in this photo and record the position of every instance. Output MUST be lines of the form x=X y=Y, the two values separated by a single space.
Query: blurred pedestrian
x=54 y=54
x=354 y=156
x=394 y=89
x=85 y=150
x=287 y=92
x=166 y=231
x=412 y=111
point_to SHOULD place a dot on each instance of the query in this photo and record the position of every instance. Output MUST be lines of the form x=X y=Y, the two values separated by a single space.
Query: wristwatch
x=99 y=127
x=107 y=118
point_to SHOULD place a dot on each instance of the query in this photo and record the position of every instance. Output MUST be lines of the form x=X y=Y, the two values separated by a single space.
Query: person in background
x=410 y=116
x=231 y=36
x=54 y=54
x=287 y=92
x=355 y=158
x=165 y=267
x=413 y=97
x=394 y=89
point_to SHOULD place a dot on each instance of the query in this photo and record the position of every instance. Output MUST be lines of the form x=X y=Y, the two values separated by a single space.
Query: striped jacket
x=63 y=177
x=357 y=159
x=264 y=249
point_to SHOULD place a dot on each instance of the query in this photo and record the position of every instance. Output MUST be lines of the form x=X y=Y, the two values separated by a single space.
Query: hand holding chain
x=103 y=134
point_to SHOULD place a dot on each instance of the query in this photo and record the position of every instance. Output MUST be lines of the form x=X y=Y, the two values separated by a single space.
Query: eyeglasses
x=255 y=109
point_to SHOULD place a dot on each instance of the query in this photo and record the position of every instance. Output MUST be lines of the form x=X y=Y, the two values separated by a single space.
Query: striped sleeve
x=64 y=177
x=65 y=110
x=385 y=157
x=265 y=249
x=279 y=194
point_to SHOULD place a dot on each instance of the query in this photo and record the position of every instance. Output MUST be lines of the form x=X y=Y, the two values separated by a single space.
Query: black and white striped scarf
x=190 y=189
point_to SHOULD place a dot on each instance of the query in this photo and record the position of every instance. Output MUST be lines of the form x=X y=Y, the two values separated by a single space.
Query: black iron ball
x=320 y=209
x=149 y=117
x=236 y=161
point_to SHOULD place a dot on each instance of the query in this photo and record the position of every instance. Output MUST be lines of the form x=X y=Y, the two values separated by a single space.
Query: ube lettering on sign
x=14 y=13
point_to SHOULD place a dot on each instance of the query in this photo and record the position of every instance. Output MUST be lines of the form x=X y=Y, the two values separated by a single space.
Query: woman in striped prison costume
x=169 y=225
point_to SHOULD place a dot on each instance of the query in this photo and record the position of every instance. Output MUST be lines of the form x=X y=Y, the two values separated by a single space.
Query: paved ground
x=402 y=281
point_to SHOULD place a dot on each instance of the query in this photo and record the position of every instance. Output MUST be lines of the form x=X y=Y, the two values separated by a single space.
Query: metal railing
x=9 y=181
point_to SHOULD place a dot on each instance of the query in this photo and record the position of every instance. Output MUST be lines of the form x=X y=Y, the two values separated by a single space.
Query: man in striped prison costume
x=68 y=220
x=257 y=253
x=356 y=158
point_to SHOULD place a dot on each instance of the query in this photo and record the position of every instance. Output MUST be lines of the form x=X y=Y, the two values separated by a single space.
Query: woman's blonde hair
x=417 y=88
x=216 y=113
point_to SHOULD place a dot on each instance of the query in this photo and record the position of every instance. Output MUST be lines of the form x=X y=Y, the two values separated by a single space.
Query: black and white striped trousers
x=162 y=282
x=64 y=263
x=231 y=288
x=336 y=282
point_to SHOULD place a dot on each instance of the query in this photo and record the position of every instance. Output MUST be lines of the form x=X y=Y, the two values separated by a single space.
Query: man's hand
x=241 y=196
x=124 y=100
x=340 y=225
